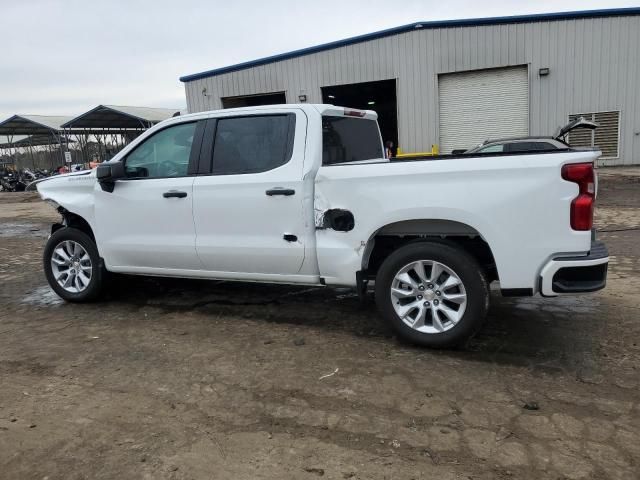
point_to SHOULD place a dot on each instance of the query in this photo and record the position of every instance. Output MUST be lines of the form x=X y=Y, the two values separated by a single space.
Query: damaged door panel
x=339 y=240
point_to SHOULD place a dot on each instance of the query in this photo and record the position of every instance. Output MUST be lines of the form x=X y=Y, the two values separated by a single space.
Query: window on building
x=606 y=137
x=252 y=144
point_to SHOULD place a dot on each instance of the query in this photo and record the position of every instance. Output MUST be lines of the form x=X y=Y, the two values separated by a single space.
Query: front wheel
x=432 y=293
x=72 y=265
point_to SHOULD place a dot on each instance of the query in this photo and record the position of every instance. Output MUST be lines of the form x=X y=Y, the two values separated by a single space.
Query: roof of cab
x=322 y=108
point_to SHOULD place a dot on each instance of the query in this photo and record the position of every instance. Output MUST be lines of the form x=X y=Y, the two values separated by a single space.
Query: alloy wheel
x=428 y=296
x=71 y=266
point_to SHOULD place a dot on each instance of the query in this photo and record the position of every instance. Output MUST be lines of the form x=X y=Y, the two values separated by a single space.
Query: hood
x=579 y=122
x=34 y=185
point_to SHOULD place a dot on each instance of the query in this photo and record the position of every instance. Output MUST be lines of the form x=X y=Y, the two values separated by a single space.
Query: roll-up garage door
x=483 y=104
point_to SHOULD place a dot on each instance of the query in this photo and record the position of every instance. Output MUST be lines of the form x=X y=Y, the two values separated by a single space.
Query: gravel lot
x=209 y=380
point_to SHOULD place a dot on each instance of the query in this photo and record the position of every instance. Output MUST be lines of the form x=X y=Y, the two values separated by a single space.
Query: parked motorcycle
x=11 y=182
x=18 y=181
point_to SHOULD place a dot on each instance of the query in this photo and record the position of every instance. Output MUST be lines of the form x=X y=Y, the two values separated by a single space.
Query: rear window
x=346 y=139
x=499 y=148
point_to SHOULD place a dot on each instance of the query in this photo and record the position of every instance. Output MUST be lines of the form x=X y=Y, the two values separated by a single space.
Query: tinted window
x=492 y=149
x=252 y=144
x=165 y=154
x=530 y=147
x=346 y=139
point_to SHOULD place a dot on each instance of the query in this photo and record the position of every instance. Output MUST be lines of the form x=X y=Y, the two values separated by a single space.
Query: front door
x=248 y=211
x=146 y=223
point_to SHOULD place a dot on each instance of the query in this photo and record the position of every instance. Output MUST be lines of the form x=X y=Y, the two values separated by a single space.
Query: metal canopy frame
x=119 y=123
x=38 y=129
x=32 y=125
x=33 y=141
x=114 y=119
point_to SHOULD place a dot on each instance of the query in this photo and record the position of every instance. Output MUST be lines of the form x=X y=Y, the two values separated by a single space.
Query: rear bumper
x=567 y=275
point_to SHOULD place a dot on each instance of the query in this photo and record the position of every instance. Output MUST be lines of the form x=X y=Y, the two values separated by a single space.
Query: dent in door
x=339 y=251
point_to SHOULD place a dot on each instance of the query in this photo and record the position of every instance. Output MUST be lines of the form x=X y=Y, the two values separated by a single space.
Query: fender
x=72 y=196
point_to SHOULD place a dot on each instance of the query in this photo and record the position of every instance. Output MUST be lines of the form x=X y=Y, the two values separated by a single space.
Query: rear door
x=248 y=208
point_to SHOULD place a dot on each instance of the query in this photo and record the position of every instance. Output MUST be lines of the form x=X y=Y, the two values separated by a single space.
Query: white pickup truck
x=302 y=194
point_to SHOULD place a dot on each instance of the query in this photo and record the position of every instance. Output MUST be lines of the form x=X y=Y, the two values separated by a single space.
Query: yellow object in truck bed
x=434 y=151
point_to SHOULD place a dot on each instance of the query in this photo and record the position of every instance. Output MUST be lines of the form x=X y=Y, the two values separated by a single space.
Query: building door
x=254 y=100
x=379 y=96
x=482 y=104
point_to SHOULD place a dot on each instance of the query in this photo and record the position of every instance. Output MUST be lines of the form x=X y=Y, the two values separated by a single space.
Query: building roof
x=471 y=22
x=32 y=124
x=119 y=117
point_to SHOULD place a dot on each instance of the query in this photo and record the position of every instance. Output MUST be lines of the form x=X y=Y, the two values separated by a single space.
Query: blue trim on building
x=471 y=22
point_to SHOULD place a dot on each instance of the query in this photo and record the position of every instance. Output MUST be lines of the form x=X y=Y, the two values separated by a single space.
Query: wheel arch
x=392 y=236
x=73 y=220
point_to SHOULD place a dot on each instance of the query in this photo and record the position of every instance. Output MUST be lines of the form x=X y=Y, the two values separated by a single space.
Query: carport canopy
x=118 y=119
x=31 y=141
x=33 y=125
x=9 y=142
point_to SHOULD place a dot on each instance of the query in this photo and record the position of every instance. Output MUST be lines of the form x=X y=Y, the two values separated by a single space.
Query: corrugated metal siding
x=594 y=63
x=482 y=104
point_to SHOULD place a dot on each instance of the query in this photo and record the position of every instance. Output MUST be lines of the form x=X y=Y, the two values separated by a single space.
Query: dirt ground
x=174 y=379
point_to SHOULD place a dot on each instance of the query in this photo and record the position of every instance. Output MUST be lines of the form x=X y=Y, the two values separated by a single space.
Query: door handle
x=174 y=194
x=280 y=191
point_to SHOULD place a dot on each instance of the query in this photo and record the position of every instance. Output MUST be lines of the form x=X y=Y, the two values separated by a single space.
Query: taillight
x=582 y=205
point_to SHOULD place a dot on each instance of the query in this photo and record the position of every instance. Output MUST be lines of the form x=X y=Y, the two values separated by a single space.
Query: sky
x=63 y=57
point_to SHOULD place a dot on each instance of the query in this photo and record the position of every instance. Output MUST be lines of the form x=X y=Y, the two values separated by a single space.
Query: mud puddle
x=42 y=297
x=12 y=229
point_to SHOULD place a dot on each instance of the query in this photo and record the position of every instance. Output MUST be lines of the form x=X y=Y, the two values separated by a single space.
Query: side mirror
x=108 y=173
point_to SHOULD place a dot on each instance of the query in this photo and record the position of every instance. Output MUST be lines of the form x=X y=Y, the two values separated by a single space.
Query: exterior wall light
x=543 y=72
x=302 y=97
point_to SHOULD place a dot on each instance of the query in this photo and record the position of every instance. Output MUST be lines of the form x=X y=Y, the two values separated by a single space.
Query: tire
x=89 y=284
x=460 y=308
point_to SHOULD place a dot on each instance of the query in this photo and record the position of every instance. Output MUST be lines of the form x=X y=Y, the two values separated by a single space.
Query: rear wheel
x=433 y=294
x=72 y=265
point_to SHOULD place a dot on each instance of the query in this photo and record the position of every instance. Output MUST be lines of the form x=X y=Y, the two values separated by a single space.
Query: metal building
x=456 y=83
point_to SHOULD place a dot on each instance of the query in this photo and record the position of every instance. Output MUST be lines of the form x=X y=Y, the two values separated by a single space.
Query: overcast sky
x=65 y=56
